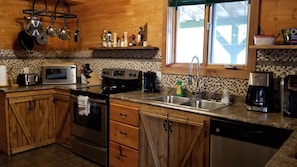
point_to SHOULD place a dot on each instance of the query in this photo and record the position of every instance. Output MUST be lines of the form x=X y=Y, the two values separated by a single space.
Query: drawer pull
x=121 y=152
x=123 y=115
x=123 y=133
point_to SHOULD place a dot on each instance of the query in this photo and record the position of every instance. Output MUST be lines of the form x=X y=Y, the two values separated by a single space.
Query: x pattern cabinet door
x=31 y=122
x=173 y=139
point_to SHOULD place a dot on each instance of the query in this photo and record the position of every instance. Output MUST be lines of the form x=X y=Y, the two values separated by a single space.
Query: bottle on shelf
x=140 y=37
x=125 y=39
x=109 y=40
x=103 y=37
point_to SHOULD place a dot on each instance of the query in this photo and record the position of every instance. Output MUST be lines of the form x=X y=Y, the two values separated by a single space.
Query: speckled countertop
x=284 y=157
x=40 y=87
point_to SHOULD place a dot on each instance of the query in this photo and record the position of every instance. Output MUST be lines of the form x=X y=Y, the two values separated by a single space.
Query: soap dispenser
x=179 y=88
x=225 y=97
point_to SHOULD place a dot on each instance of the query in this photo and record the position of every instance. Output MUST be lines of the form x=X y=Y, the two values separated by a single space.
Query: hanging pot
x=51 y=30
x=77 y=32
x=26 y=41
x=33 y=26
x=41 y=39
x=64 y=33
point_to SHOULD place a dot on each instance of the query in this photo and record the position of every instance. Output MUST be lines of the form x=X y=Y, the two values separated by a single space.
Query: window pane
x=189 y=33
x=229 y=33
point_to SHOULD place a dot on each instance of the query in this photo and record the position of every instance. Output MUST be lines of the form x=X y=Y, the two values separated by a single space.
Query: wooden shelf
x=135 y=52
x=124 y=48
x=75 y=1
x=273 y=46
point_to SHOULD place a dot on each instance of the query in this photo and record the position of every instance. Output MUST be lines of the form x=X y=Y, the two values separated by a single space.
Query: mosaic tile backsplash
x=280 y=62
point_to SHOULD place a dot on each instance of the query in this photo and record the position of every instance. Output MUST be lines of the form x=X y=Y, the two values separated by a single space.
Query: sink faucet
x=197 y=92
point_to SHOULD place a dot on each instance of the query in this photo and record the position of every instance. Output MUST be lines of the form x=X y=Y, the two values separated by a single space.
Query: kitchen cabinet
x=62 y=109
x=28 y=121
x=124 y=134
x=173 y=138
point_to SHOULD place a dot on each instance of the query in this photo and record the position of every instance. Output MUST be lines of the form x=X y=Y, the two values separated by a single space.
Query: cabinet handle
x=123 y=115
x=121 y=152
x=170 y=126
x=165 y=125
x=123 y=133
x=32 y=105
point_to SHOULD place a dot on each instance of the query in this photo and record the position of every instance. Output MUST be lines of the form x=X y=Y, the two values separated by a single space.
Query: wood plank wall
x=277 y=15
x=119 y=16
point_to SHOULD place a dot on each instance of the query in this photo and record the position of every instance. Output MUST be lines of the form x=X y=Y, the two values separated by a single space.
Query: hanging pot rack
x=48 y=13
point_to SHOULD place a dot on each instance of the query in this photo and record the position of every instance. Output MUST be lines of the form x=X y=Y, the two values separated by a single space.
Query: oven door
x=93 y=127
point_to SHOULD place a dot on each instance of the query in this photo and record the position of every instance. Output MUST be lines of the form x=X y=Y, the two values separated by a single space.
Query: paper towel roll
x=3 y=76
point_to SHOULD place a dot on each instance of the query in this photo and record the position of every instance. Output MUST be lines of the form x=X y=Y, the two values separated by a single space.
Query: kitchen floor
x=48 y=156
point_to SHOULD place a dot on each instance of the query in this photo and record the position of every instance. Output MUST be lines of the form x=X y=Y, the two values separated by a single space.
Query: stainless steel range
x=90 y=126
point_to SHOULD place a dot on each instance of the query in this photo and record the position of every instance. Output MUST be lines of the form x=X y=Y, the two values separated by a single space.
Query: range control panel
x=123 y=74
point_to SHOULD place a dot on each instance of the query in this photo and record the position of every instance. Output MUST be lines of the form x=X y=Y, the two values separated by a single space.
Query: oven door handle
x=92 y=100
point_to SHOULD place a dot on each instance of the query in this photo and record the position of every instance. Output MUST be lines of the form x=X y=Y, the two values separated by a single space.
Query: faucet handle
x=190 y=79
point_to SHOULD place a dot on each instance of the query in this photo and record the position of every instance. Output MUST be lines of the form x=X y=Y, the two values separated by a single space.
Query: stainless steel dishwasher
x=235 y=144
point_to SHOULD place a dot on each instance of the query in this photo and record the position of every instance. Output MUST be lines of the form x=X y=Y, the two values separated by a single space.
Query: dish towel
x=83 y=105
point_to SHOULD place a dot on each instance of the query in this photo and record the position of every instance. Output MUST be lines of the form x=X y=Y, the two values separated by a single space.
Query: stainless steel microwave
x=56 y=73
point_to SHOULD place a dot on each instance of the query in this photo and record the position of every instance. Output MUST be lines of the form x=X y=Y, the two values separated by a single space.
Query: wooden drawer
x=124 y=114
x=122 y=156
x=125 y=134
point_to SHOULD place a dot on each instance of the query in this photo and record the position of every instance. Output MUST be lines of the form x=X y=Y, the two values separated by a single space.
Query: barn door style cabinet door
x=31 y=122
x=62 y=109
x=173 y=138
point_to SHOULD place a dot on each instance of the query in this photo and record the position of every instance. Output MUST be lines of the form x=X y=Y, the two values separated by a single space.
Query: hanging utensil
x=64 y=33
x=51 y=30
x=77 y=32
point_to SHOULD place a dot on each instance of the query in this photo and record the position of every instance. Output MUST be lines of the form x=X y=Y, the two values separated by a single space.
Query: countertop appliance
x=58 y=73
x=90 y=133
x=235 y=144
x=289 y=96
x=149 y=81
x=260 y=92
x=28 y=79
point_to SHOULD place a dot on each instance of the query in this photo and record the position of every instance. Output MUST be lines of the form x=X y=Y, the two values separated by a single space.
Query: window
x=218 y=33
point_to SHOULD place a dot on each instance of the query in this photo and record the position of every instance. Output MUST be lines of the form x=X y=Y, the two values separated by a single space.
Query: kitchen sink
x=187 y=101
x=172 y=99
x=205 y=104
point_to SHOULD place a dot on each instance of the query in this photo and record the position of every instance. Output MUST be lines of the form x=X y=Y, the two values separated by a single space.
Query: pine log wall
x=120 y=16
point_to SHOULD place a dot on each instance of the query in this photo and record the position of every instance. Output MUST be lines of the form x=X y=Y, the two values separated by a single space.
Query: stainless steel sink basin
x=172 y=99
x=205 y=104
x=187 y=101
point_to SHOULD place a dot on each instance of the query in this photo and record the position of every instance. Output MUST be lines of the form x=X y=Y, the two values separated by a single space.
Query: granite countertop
x=285 y=156
x=41 y=87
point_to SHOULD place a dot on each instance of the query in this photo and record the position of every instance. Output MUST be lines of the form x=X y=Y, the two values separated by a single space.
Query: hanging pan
x=26 y=41
x=41 y=39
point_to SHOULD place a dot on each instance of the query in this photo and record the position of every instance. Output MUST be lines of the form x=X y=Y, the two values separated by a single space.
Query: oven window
x=56 y=74
x=93 y=120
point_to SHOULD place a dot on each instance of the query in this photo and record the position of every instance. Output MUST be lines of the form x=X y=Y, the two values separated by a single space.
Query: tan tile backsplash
x=281 y=62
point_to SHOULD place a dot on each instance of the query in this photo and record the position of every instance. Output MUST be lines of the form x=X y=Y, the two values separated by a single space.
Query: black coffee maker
x=289 y=96
x=260 y=92
x=149 y=82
